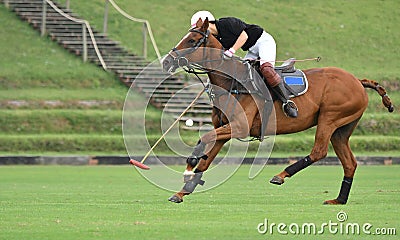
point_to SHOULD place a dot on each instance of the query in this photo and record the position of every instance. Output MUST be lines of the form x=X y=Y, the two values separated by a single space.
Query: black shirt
x=229 y=29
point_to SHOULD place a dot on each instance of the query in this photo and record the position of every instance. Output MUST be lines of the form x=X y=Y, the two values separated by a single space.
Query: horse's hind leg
x=340 y=143
x=319 y=151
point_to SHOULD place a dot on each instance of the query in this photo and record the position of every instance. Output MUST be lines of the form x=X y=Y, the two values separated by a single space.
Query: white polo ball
x=189 y=122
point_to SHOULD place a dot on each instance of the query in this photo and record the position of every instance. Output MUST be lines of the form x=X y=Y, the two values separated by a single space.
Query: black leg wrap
x=344 y=190
x=192 y=184
x=299 y=165
x=199 y=149
x=192 y=161
x=197 y=154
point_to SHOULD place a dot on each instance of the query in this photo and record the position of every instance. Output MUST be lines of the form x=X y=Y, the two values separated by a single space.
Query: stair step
x=35 y=10
x=49 y=16
x=146 y=73
x=98 y=42
x=64 y=22
x=136 y=69
x=174 y=80
x=24 y=1
x=126 y=67
x=150 y=83
x=190 y=111
x=182 y=96
x=103 y=51
x=183 y=107
x=166 y=82
x=196 y=119
x=113 y=58
x=159 y=89
x=76 y=26
x=75 y=31
x=171 y=92
x=203 y=101
x=131 y=69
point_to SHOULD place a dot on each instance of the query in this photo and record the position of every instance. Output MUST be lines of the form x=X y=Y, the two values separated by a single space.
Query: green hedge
x=60 y=121
x=372 y=143
x=109 y=122
x=115 y=143
x=379 y=124
x=61 y=143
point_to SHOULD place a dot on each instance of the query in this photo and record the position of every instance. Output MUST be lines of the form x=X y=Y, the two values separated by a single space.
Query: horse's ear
x=199 y=23
x=204 y=27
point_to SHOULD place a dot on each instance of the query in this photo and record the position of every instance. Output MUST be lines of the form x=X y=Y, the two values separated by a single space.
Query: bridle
x=179 y=56
x=179 y=59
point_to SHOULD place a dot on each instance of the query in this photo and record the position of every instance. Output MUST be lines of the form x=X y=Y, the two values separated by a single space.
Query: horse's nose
x=167 y=63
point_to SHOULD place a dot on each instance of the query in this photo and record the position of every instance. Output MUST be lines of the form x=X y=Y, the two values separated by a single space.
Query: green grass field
x=115 y=202
x=353 y=35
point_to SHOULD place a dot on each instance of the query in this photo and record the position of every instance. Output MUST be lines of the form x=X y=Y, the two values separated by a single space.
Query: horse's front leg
x=214 y=141
x=193 y=178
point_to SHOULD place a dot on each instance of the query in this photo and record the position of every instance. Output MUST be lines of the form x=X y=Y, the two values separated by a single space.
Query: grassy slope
x=37 y=69
x=306 y=29
x=358 y=36
x=54 y=202
x=30 y=61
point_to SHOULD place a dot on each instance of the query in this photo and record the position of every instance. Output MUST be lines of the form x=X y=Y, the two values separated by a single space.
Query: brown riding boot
x=275 y=81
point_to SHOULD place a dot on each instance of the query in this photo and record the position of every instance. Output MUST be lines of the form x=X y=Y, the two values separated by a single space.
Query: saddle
x=295 y=80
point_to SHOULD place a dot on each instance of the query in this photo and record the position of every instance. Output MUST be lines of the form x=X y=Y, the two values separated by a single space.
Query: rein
x=197 y=68
x=180 y=60
x=317 y=59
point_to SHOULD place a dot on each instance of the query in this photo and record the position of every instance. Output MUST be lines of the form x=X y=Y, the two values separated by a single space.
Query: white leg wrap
x=187 y=175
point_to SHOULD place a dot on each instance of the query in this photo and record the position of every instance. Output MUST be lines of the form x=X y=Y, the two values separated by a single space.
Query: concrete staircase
x=159 y=86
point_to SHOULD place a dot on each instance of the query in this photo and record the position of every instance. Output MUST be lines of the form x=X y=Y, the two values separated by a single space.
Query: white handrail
x=141 y=21
x=103 y=64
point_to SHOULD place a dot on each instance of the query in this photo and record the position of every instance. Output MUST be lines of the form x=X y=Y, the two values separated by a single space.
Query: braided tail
x=381 y=91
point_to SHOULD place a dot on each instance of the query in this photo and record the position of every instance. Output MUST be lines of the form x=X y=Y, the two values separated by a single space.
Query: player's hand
x=230 y=52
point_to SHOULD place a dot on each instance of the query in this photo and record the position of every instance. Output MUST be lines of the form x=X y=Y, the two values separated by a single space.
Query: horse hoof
x=175 y=199
x=333 y=202
x=277 y=180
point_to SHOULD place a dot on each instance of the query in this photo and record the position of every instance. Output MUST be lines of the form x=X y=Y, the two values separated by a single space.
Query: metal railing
x=146 y=27
x=85 y=26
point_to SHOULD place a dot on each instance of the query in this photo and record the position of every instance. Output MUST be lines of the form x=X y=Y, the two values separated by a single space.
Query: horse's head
x=185 y=51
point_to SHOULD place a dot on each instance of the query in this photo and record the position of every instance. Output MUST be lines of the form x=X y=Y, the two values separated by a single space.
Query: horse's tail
x=381 y=91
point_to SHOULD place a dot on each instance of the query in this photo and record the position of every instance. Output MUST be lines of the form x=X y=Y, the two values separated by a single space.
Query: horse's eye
x=191 y=41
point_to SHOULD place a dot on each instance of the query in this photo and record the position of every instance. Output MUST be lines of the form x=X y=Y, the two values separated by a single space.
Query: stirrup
x=290 y=104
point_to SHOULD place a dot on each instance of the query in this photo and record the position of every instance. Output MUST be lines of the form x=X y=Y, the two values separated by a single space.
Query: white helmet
x=203 y=15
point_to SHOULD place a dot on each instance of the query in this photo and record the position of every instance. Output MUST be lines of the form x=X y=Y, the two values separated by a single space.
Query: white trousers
x=264 y=48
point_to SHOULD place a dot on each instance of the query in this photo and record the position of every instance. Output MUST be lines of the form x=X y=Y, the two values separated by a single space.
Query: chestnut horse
x=334 y=102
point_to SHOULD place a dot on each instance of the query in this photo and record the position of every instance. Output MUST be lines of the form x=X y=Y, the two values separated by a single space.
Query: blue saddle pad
x=296 y=82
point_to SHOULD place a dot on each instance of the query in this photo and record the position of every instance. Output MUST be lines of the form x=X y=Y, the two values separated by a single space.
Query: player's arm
x=238 y=44
x=240 y=41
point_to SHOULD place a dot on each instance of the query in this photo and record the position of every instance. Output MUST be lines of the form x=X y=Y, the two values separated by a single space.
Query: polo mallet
x=141 y=164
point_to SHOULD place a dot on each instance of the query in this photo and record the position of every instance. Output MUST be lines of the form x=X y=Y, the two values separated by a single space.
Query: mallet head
x=139 y=164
